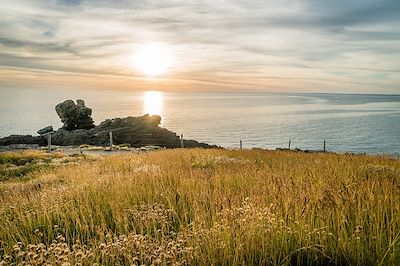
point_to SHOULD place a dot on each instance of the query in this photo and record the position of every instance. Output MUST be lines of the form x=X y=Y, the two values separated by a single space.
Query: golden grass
x=206 y=207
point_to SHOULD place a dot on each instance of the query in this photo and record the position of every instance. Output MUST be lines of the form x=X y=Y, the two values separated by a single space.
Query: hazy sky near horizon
x=347 y=46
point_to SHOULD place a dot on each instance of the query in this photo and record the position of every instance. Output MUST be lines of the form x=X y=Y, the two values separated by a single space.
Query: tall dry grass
x=206 y=207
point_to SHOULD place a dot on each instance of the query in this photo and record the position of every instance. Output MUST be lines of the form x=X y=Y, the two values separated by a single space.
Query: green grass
x=18 y=165
x=23 y=166
x=23 y=158
x=205 y=207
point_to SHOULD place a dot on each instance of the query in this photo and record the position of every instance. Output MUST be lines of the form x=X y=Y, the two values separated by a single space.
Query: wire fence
x=317 y=146
x=323 y=146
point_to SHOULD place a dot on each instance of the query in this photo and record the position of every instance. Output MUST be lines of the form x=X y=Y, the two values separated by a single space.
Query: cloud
x=70 y=2
x=311 y=42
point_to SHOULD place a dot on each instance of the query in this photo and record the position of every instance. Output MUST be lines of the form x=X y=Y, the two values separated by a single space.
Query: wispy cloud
x=307 y=45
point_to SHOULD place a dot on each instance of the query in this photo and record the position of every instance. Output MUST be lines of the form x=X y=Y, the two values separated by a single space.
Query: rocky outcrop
x=23 y=139
x=83 y=116
x=45 y=131
x=137 y=131
x=75 y=116
x=78 y=129
x=67 y=112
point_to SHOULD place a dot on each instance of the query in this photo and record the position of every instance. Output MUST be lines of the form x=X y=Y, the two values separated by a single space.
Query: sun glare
x=153 y=59
x=153 y=102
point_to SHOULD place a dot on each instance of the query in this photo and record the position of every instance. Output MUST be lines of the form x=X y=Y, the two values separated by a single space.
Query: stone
x=23 y=139
x=75 y=116
x=83 y=116
x=45 y=131
x=154 y=120
x=67 y=112
x=80 y=103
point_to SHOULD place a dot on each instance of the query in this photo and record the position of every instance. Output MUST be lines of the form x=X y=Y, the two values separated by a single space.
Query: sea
x=358 y=123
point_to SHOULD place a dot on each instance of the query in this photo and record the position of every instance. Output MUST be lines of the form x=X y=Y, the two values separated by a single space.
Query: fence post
x=290 y=141
x=49 y=142
x=241 y=144
x=182 y=146
x=111 y=141
x=324 y=146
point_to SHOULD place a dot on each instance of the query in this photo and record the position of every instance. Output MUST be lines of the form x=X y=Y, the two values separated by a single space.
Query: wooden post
x=49 y=142
x=324 y=146
x=290 y=141
x=182 y=146
x=111 y=141
x=241 y=144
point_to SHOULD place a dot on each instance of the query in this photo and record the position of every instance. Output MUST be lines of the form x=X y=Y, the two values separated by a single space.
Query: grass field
x=199 y=207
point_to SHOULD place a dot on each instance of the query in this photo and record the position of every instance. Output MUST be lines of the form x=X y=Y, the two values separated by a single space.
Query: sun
x=153 y=59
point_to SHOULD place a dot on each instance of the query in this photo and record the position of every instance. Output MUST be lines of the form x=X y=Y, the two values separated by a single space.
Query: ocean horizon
x=359 y=123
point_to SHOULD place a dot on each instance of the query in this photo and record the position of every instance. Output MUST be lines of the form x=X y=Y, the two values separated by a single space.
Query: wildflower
x=21 y=254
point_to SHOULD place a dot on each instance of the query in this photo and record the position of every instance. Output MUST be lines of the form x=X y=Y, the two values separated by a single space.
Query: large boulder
x=75 y=116
x=83 y=116
x=67 y=112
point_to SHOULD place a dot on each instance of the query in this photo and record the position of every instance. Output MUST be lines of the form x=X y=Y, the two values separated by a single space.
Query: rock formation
x=45 y=131
x=75 y=116
x=79 y=129
x=137 y=131
x=23 y=139
x=83 y=116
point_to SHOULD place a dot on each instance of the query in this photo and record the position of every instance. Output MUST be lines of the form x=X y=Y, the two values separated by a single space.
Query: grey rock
x=80 y=103
x=45 y=130
x=83 y=116
x=75 y=116
x=67 y=112
x=23 y=139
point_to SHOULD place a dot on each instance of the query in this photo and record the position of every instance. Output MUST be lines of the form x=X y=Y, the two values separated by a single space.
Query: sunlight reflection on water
x=153 y=102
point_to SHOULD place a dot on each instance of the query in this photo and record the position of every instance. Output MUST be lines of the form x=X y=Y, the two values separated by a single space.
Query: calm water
x=355 y=123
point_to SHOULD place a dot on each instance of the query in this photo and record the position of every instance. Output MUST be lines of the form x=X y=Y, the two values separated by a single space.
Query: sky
x=348 y=46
